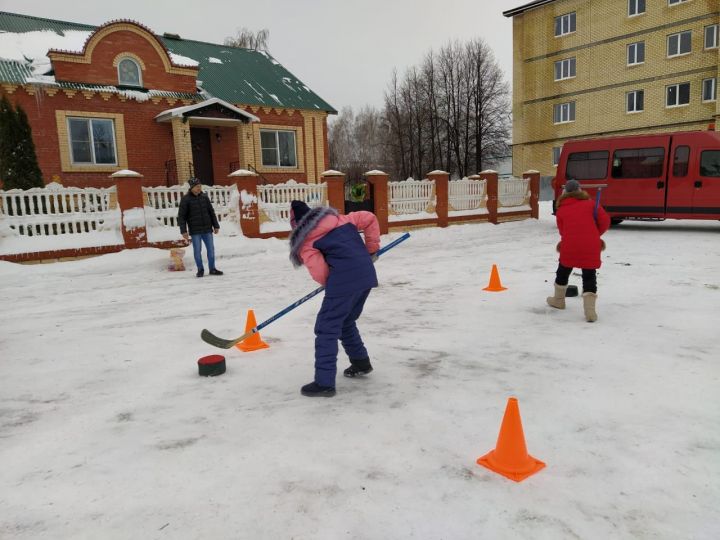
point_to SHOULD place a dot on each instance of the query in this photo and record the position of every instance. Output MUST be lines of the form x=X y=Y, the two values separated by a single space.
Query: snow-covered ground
x=108 y=432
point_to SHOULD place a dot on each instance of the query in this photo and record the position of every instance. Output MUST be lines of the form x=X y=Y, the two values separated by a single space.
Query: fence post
x=491 y=177
x=247 y=182
x=534 y=177
x=442 y=195
x=379 y=182
x=335 y=181
x=132 y=208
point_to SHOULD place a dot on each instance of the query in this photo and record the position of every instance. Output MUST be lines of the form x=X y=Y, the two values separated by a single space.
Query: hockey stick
x=215 y=341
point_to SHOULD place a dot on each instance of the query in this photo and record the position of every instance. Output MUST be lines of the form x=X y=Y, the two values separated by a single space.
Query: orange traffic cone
x=254 y=342
x=495 y=285
x=510 y=457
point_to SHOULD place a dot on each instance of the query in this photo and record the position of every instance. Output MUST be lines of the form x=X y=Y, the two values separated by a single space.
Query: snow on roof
x=32 y=47
x=180 y=60
x=180 y=111
x=214 y=60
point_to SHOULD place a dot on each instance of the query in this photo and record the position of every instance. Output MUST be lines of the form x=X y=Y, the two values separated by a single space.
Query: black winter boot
x=315 y=390
x=358 y=366
x=215 y=272
x=200 y=273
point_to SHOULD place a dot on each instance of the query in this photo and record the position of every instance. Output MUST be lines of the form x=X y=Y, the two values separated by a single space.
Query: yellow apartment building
x=597 y=68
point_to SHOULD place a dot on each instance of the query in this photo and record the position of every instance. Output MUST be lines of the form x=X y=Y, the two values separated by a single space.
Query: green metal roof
x=240 y=76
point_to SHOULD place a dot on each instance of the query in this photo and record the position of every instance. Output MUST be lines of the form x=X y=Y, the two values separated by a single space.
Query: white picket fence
x=467 y=195
x=274 y=199
x=162 y=203
x=56 y=210
x=513 y=192
x=412 y=197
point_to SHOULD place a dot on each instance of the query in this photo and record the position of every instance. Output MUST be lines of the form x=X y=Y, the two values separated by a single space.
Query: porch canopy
x=212 y=112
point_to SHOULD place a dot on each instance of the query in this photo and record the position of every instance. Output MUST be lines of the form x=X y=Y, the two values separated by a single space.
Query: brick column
x=491 y=177
x=131 y=203
x=247 y=183
x=379 y=181
x=534 y=177
x=335 y=189
x=441 y=195
x=183 y=149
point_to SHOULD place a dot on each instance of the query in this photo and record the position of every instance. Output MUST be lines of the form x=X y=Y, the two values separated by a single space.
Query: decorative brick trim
x=9 y=88
x=66 y=163
x=123 y=55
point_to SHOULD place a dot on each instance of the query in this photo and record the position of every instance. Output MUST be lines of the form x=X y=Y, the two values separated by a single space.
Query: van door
x=636 y=187
x=706 y=185
x=683 y=168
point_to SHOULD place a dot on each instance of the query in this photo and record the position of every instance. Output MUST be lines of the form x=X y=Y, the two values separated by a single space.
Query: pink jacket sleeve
x=366 y=223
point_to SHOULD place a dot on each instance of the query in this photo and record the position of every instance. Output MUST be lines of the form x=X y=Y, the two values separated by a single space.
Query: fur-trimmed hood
x=580 y=195
x=308 y=222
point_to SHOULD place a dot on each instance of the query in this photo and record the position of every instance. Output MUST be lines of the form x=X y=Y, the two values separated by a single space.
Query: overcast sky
x=343 y=50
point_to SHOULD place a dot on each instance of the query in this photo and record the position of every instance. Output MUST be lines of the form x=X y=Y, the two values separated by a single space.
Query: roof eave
x=526 y=7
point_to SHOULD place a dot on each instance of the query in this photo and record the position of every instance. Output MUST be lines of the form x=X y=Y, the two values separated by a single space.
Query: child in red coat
x=580 y=245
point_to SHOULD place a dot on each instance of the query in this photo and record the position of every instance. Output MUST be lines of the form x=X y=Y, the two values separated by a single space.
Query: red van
x=647 y=177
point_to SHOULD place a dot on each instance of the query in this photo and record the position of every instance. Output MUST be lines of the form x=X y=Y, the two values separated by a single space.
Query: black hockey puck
x=210 y=366
x=572 y=290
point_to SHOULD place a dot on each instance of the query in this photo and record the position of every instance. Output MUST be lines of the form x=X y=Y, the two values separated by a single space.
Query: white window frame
x=635 y=4
x=94 y=162
x=277 y=148
x=676 y=2
x=634 y=47
x=714 y=29
x=556 y=151
x=634 y=93
x=679 y=42
x=139 y=70
x=713 y=96
x=568 y=69
x=567 y=110
x=676 y=85
x=568 y=17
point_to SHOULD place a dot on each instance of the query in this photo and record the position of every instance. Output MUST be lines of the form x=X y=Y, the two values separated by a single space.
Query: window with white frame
x=565 y=69
x=636 y=53
x=711 y=36
x=556 y=155
x=709 y=89
x=129 y=73
x=675 y=2
x=635 y=101
x=565 y=24
x=636 y=7
x=92 y=141
x=278 y=148
x=564 y=112
x=680 y=43
x=677 y=94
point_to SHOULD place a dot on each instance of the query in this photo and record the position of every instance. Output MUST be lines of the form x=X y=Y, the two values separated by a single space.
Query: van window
x=680 y=161
x=710 y=163
x=587 y=165
x=638 y=163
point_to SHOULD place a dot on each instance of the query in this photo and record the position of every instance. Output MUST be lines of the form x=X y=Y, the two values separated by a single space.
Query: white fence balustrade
x=513 y=192
x=467 y=194
x=162 y=203
x=57 y=210
x=412 y=196
x=274 y=199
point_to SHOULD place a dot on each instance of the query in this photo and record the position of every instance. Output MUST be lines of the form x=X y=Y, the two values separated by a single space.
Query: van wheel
x=614 y=222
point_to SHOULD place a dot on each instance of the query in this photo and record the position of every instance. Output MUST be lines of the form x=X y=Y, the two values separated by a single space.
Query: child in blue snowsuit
x=330 y=246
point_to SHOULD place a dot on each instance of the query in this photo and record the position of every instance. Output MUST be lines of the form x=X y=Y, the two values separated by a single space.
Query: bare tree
x=247 y=39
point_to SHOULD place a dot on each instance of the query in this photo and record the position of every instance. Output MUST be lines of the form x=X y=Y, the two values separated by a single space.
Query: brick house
x=117 y=96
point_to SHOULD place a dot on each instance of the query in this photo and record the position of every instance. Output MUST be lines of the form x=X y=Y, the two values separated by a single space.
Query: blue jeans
x=207 y=238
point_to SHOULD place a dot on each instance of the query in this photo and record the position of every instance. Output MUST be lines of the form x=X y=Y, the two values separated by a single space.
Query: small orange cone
x=495 y=285
x=254 y=342
x=510 y=457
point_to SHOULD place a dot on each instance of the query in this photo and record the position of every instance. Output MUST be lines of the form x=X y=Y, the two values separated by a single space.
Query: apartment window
x=564 y=112
x=677 y=94
x=638 y=163
x=681 y=161
x=711 y=36
x=556 y=155
x=636 y=7
x=636 y=53
x=635 y=101
x=129 y=73
x=587 y=165
x=565 y=24
x=709 y=89
x=679 y=43
x=710 y=163
x=675 y=2
x=278 y=148
x=92 y=141
x=565 y=69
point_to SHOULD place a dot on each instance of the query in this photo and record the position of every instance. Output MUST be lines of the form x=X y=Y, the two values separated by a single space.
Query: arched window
x=129 y=73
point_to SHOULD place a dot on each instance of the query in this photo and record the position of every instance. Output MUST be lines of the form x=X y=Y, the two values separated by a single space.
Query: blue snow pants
x=336 y=320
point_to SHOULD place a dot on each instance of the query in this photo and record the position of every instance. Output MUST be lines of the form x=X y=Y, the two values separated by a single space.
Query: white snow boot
x=558 y=301
x=589 y=299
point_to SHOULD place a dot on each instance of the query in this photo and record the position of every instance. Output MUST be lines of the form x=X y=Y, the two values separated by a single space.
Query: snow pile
x=32 y=47
x=183 y=61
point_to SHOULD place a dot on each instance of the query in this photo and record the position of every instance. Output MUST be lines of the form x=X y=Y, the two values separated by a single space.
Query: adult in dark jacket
x=331 y=248
x=197 y=217
x=580 y=245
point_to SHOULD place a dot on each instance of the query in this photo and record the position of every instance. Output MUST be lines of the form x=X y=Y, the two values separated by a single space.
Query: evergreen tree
x=8 y=141
x=18 y=162
x=27 y=164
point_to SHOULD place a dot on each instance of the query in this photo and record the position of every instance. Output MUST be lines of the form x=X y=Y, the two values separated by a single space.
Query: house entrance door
x=202 y=155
